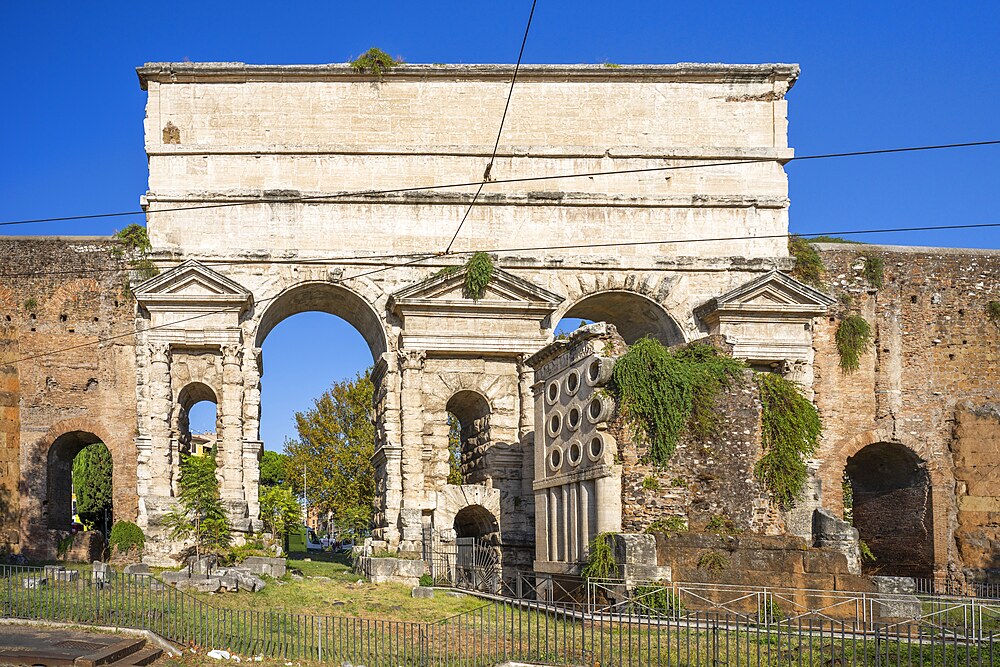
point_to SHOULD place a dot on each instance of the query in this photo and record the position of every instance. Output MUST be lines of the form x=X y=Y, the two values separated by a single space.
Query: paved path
x=30 y=645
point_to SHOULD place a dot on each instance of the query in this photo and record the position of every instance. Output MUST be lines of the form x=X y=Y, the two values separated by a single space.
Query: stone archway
x=59 y=477
x=634 y=315
x=472 y=411
x=892 y=508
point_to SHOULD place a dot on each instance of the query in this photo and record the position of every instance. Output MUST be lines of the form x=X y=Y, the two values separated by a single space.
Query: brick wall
x=61 y=294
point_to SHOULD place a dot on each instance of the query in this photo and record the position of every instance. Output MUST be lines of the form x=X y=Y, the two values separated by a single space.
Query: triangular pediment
x=191 y=282
x=772 y=292
x=504 y=289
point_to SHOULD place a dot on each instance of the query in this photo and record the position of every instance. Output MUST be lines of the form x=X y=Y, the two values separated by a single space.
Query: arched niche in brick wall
x=892 y=508
x=59 y=483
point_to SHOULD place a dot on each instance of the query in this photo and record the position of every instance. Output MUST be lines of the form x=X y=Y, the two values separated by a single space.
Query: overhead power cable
x=501 y=181
x=525 y=249
x=496 y=144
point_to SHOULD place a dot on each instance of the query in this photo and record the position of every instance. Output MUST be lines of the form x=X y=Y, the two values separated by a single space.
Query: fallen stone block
x=35 y=582
x=422 y=592
x=137 y=568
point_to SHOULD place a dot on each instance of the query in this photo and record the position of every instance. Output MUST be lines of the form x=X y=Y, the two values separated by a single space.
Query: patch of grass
x=668 y=526
x=823 y=238
x=874 y=270
x=679 y=483
x=721 y=524
x=608 y=65
x=375 y=61
x=31 y=305
x=853 y=337
x=650 y=483
x=809 y=267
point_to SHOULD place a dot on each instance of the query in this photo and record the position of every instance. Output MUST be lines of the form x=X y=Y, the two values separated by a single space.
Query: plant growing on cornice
x=853 y=339
x=374 y=61
x=133 y=248
x=874 y=269
x=478 y=273
x=664 y=392
x=790 y=431
x=809 y=267
x=601 y=562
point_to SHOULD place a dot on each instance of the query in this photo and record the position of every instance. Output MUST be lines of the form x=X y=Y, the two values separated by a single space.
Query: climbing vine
x=853 y=337
x=809 y=267
x=600 y=559
x=790 y=430
x=133 y=247
x=874 y=270
x=664 y=392
x=478 y=273
x=374 y=61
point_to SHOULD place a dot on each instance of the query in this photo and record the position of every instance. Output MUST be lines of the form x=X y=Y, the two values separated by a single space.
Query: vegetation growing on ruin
x=713 y=561
x=655 y=597
x=866 y=552
x=31 y=305
x=650 y=483
x=600 y=558
x=665 y=392
x=478 y=273
x=847 y=492
x=125 y=537
x=790 y=431
x=853 y=337
x=133 y=248
x=668 y=526
x=809 y=267
x=198 y=514
x=374 y=61
x=720 y=524
x=823 y=238
x=993 y=311
x=874 y=270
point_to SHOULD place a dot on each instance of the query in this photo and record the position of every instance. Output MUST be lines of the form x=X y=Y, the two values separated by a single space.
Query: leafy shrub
x=668 y=526
x=874 y=270
x=790 y=431
x=866 y=552
x=252 y=547
x=601 y=562
x=809 y=266
x=478 y=273
x=713 y=561
x=663 y=392
x=721 y=524
x=426 y=580
x=374 y=61
x=770 y=612
x=126 y=536
x=650 y=483
x=853 y=337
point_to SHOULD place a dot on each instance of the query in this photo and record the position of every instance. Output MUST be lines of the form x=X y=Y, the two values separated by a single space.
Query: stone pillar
x=161 y=457
x=253 y=448
x=388 y=452
x=411 y=410
x=230 y=409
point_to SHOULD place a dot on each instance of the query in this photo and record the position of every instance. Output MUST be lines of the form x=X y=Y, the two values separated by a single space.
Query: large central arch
x=329 y=298
x=633 y=314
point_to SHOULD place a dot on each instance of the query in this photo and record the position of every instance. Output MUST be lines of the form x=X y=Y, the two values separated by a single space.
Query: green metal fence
x=499 y=631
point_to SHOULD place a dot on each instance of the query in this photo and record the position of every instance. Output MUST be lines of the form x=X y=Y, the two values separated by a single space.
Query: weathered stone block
x=422 y=592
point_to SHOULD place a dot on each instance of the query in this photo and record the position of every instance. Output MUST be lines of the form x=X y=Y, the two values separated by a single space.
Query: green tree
x=198 y=513
x=273 y=470
x=336 y=441
x=279 y=509
x=92 y=486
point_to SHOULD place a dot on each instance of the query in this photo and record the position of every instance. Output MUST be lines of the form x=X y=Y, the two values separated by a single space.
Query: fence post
x=422 y=649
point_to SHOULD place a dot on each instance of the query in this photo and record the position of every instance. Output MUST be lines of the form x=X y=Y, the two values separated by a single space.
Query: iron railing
x=502 y=630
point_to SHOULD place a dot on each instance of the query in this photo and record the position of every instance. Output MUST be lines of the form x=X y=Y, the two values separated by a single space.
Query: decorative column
x=231 y=437
x=253 y=448
x=387 y=459
x=411 y=409
x=162 y=459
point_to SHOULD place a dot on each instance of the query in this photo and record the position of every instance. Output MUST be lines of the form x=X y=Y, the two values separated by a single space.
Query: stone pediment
x=505 y=293
x=774 y=294
x=191 y=286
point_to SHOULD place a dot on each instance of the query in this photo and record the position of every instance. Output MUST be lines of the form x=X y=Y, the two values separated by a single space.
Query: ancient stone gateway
x=278 y=190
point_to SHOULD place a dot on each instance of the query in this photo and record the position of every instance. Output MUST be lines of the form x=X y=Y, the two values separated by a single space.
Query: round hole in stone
x=573 y=418
x=594 y=371
x=596 y=447
x=596 y=409
x=555 y=458
x=552 y=393
x=572 y=382
x=575 y=454
x=555 y=424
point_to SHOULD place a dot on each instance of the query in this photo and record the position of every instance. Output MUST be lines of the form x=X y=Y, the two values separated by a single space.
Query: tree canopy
x=273 y=470
x=92 y=485
x=335 y=444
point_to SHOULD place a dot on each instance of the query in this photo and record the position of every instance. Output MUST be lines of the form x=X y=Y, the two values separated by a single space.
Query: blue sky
x=873 y=75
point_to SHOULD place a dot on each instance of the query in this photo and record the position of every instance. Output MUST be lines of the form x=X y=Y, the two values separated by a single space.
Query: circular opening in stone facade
x=596 y=448
x=594 y=371
x=552 y=392
x=572 y=382
x=575 y=454
x=573 y=419
x=555 y=458
x=555 y=424
x=596 y=410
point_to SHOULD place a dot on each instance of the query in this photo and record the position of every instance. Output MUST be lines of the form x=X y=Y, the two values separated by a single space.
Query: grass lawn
x=327 y=586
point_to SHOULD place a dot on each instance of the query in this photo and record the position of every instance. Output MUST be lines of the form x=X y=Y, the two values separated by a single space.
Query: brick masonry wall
x=934 y=347
x=61 y=294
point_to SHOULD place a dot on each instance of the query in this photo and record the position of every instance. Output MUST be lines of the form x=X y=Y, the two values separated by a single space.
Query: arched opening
x=317 y=342
x=889 y=494
x=59 y=504
x=477 y=521
x=634 y=315
x=197 y=418
x=469 y=436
